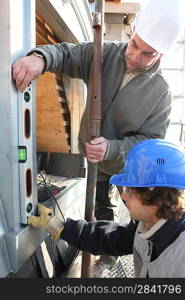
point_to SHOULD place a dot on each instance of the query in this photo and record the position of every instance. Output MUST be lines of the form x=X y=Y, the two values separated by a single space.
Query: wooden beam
x=48 y=13
x=122 y=7
x=75 y=94
x=51 y=131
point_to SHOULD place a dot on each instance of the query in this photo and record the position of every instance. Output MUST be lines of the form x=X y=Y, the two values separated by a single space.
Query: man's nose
x=136 y=57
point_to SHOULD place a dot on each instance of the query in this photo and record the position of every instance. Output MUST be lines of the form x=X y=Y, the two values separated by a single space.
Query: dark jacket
x=108 y=237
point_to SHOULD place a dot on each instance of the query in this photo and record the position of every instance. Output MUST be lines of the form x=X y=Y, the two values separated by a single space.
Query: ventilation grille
x=160 y=161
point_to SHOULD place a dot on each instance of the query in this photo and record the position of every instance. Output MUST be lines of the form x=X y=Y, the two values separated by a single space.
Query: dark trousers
x=103 y=210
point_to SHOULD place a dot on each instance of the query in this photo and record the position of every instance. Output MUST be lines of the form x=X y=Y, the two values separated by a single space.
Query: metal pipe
x=95 y=122
x=89 y=214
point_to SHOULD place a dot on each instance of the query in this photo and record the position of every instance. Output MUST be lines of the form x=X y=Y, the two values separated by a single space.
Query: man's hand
x=26 y=69
x=48 y=221
x=96 y=149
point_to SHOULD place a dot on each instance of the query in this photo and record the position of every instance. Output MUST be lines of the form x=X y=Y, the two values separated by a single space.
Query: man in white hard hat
x=136 y=100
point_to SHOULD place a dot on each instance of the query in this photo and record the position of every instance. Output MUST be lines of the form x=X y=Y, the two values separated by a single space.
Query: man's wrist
x=38 y=55
x=41 y=56
x=55 y=227
x=107 y=150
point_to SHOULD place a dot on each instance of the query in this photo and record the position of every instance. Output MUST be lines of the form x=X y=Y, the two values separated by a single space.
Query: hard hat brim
x=120 y=180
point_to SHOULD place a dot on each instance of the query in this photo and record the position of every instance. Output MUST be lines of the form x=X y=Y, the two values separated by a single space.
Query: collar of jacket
x=149 y=72
x=147 y=233
x=167 y=234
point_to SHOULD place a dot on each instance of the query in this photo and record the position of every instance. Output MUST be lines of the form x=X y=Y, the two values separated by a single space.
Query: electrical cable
x=46 y=183
x=51 y=196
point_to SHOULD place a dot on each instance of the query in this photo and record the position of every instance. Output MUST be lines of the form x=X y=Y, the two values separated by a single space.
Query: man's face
x=137 y=210
x=140 y=55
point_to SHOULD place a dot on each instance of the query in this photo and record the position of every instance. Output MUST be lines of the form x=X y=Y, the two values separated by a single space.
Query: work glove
x=48 y=221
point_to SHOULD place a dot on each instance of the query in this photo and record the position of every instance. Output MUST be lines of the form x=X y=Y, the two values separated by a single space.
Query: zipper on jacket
x=150 y=248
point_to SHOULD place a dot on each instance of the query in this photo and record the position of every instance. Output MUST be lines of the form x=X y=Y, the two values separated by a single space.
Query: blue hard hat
x=153 y=163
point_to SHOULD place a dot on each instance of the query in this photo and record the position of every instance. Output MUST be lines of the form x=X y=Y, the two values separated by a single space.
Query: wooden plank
x=75 y=93
x=48 y=13
x=51 y=132
x=122 y=7
x=76 y=112
x=44 y=29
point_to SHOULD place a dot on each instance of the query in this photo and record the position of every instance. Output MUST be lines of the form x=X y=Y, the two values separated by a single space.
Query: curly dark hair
x=170 y=201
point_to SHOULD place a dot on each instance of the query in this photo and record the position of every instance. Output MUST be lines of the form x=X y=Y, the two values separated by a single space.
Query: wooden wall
x=52 y=111
x=51 y=124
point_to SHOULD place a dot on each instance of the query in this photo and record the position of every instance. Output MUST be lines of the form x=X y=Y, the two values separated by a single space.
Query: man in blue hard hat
x=153 y=182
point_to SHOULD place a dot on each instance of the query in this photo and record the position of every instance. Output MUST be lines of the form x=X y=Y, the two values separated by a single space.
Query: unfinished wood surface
x=71 y=100
x=76 y=95
x=51 y=132
x=122 y=7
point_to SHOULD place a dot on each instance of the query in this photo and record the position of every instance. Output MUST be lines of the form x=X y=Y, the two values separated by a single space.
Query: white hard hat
x=159 y=23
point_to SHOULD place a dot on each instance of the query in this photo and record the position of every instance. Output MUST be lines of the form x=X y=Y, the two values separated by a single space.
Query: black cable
x=51 y=196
